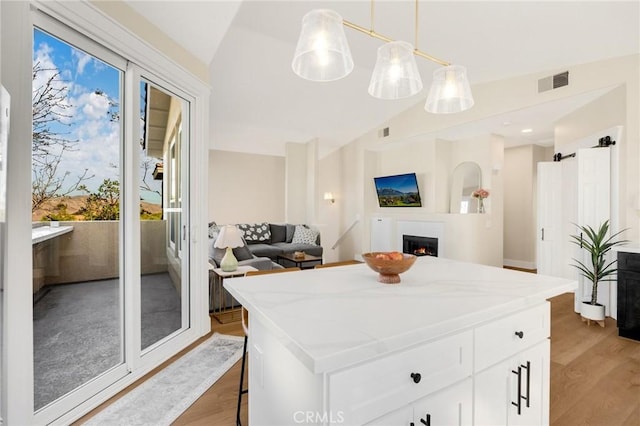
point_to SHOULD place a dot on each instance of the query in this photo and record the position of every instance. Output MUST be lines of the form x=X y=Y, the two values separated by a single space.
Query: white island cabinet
x=453 y=344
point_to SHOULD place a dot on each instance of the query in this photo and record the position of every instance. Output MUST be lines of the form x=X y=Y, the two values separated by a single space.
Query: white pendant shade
x=450 y=91
x=322 y=53
x=395 y=75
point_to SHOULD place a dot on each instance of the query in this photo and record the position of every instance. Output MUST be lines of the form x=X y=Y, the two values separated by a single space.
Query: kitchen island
x=453 y=343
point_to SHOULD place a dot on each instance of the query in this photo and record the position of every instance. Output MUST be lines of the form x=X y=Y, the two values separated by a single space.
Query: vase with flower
x=480 y=194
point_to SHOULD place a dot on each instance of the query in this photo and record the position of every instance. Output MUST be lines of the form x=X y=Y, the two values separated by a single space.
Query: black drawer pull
x=520 y=334
x=528 y=368
x=426 y=422
x=416 y=377
x=518 y=404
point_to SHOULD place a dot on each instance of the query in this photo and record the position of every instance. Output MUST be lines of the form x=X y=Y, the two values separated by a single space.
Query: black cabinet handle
x=412 y=424
x=426 y=421
x=520 y=334
x=528 y=368
x=518 y=404
x=416 y=377
x=542 y=234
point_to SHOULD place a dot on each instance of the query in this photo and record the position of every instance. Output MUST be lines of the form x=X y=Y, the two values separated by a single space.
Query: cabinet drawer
x=368 y=391
x=504 y=337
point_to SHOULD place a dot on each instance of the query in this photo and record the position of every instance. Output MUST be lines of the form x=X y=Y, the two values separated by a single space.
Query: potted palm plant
x=597 y=269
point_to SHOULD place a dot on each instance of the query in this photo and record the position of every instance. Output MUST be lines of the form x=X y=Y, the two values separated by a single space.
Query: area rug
x=162 y=398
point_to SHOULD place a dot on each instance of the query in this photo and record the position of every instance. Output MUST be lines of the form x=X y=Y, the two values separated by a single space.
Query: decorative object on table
x=480 y=194
x=597 y=244
x=230 y=237
x=389 y=265
x=298 y=254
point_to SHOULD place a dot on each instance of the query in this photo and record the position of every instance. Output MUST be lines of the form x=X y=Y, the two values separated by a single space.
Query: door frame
x=16 y=37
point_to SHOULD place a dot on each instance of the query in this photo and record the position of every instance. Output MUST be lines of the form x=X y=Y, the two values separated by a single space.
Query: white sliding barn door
x=549 y=231
x=594 y=207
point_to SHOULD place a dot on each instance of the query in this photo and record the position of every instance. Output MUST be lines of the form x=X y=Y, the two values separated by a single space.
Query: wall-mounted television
x=398 y=190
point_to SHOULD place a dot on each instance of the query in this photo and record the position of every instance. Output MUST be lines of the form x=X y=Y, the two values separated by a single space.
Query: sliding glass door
x=110 y=217
x=77 y=146
x=164 y=254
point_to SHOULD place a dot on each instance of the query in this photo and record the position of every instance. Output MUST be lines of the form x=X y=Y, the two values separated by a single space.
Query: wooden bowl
x=389 y=270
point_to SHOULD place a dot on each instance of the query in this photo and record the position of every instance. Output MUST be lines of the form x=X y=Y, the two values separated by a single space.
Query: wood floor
x=595 y=376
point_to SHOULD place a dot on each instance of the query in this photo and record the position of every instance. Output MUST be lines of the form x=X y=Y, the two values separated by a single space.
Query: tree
x=50 y=109
x=104 y=204
x=59 y=213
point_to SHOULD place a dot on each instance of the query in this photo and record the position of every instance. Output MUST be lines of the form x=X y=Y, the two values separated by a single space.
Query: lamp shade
x=395 y=75
x=450 y=91
x=230 y=236
x=322 y=53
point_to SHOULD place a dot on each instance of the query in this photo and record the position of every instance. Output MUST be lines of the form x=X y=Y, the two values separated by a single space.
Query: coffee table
x=306 y=262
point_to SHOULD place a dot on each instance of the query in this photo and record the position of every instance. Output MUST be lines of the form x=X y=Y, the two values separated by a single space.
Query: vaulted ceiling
x=258 y=104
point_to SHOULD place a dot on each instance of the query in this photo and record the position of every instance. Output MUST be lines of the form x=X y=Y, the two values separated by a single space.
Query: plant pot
x=592 y=312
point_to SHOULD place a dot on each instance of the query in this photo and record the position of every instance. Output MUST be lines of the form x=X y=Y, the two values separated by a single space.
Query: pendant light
x=322 y=53
x=396 y=73
x=450 y=91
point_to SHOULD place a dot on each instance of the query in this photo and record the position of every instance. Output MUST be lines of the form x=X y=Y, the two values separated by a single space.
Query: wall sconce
x=329 y=197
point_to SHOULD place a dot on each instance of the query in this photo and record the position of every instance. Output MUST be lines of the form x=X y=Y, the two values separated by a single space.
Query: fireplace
x=420 y=246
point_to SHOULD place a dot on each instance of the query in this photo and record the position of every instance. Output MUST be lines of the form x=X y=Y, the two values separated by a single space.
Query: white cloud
x=82 y=58
x=94 y=106
x=48 y=70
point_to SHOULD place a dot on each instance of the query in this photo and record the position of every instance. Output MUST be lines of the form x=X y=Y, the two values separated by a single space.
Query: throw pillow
x=256 y=232
x=291 y=229
x=241 y=253
x=304 y=235
x=214 y=230
x=278 y=233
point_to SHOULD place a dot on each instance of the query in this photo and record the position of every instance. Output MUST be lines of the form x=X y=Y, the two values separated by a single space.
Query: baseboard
x=519 y=264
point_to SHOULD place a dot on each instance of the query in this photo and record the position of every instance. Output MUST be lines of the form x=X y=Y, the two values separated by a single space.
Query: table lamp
x=230 y=237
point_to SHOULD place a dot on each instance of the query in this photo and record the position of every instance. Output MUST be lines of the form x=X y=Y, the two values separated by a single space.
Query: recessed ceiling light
x=527 y=130
x=506 y=123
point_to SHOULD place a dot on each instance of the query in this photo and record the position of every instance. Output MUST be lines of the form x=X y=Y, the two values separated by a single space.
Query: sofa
x=265 y=241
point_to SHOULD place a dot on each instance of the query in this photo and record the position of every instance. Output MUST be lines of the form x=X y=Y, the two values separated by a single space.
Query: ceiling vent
x=383 y=133
x=553 y=82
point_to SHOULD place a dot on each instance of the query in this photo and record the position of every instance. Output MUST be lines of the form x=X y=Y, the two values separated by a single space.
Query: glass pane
x=161 y=237
x=77 y=290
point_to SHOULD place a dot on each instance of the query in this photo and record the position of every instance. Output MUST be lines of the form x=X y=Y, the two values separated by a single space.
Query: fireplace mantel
x=469 y=238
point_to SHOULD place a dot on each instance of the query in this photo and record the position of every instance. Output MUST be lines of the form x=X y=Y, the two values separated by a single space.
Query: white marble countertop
x=43 y=233
x=332 y=317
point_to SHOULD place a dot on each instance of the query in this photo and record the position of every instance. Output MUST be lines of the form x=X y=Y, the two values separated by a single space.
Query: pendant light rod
x=372 y=14
x=372 y=33
x=386 y=39
x=415 y=45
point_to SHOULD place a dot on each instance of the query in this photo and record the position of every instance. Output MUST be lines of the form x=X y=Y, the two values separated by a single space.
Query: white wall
x=329 y=214
x=491 y=99
x=246 y=188
x=296 y=183
x=139 y=25
x=606 y=112
x=472 y=237
x=520 y=175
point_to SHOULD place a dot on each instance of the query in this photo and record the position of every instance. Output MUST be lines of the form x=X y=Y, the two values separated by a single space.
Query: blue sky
x=98 y=147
